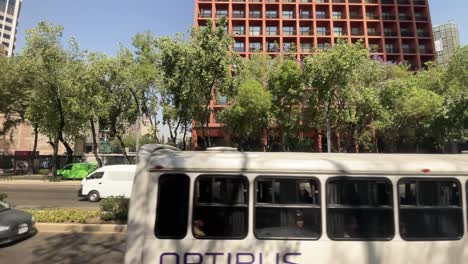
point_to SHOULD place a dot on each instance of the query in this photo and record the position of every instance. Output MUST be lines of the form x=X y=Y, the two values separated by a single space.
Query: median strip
x=81 y=228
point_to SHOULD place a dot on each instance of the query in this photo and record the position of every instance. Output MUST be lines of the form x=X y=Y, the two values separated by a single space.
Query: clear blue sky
x=99 y=25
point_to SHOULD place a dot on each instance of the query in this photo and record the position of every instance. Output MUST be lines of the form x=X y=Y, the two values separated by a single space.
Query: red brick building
x=394 y=30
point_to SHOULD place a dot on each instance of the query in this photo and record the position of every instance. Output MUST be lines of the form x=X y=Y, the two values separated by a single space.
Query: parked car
x=14 y=224
x=76 y=171
x=115 y=180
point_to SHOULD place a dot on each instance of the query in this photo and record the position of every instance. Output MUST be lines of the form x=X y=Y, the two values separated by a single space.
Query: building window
x=172 y=208
x=238 y=13
x=255 y=46
x=337 y=15
x=288 y=31
x=205 y=12
x=321 y=31
x=238 y=30
x=430 y=209
x=221 y=13
x=255 y=31
x=287 y=208
x=305 y=31
x=288 y=14
x=239 y=47
x=220 y=207
x=338 y=31
x=255 y=14
x=360 y=209
x=321 y=14
x=272 y=14
x=272 y=31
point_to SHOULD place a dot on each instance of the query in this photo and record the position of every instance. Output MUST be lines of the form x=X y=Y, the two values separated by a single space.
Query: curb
x=81 y=228
x=38 y=182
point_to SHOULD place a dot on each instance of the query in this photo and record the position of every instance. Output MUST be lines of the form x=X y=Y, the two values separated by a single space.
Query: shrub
x=63 y=215
x=115 y=209
x=3 y=197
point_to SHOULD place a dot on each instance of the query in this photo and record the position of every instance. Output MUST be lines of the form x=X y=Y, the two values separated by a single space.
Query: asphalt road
x=23 y=196
x=45 y=248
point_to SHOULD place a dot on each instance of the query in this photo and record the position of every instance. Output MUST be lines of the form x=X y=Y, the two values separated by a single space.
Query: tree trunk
x=95 y=145
x=122 y=145
x=184 y=141
x=33 y=155
x=55 y=157
x=328 y=133
x=67 y=147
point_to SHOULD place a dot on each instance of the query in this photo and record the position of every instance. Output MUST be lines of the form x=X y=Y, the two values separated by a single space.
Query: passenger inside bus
x=198 y=226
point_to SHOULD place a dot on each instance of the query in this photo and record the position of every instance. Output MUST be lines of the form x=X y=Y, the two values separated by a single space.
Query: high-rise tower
x=9 y=13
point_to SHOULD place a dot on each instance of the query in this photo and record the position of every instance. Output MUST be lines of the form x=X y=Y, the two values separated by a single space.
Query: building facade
x=447 y=39
x=393 y=30
x=9 y=13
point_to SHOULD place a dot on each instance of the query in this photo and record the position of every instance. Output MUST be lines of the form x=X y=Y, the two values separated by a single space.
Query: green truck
x=76 y=171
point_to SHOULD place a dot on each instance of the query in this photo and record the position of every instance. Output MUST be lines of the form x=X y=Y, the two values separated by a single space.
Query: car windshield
x=3 y=206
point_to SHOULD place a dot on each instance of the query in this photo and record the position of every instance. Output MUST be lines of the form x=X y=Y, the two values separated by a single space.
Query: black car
x=14 y=224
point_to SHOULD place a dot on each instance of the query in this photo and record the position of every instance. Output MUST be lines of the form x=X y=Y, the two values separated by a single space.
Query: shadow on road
x=80 y=248
x=19 y=240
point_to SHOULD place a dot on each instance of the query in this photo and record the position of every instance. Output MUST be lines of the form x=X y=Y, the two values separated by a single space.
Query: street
x=45 y=196
x=45 y=248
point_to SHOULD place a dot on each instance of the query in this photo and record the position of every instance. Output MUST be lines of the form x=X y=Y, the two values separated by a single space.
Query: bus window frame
x=280 y=177
x=392 y=209
x=462 y=207
x=247 y=205
x=158 y=203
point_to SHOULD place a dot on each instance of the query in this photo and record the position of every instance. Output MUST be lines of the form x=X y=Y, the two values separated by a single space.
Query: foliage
x=48 y=69
x=130 y=141
x=3 y=197
x=115 y=209
x=210 y=69
x=327 y=75
x=63 y=215
x=247 y=116
x=456 y=95
x=287 y=91
x=175 y=65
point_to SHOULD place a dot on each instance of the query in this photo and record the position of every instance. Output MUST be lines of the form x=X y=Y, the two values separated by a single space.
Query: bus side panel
x=138 y=213
x=303 y=252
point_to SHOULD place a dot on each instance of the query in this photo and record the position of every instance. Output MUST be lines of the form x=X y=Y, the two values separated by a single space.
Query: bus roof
x=223 y=160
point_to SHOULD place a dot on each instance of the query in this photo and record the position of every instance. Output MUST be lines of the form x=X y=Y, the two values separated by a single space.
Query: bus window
x=287 y=208
x=172 y=209
x=220 y=207
x=434 y=211
x=360 y=209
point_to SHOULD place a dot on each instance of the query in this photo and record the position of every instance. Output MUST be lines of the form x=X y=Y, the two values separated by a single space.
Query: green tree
x=91 y=77
x=247 y=116
x=145 y=75
x=456 y=95
x=52 y=103
x=287 y=92
x=211 y=71
x=175 y=65
x=326 y=75
x=121 y=109
x=412 y=113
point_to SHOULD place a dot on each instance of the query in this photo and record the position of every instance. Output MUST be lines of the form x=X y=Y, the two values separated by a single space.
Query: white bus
x=227 y=207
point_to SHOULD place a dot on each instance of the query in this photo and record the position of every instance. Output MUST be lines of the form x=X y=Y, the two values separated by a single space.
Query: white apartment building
x=9 y=13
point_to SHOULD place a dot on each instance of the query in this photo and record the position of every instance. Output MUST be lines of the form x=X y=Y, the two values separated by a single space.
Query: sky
x=100 y=25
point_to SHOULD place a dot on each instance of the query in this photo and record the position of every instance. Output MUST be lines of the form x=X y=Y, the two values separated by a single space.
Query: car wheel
x=60 y=177
x=93 y=196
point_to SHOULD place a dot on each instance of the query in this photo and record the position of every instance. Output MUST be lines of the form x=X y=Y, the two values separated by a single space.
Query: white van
x=228 y=207
x=115 y=180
